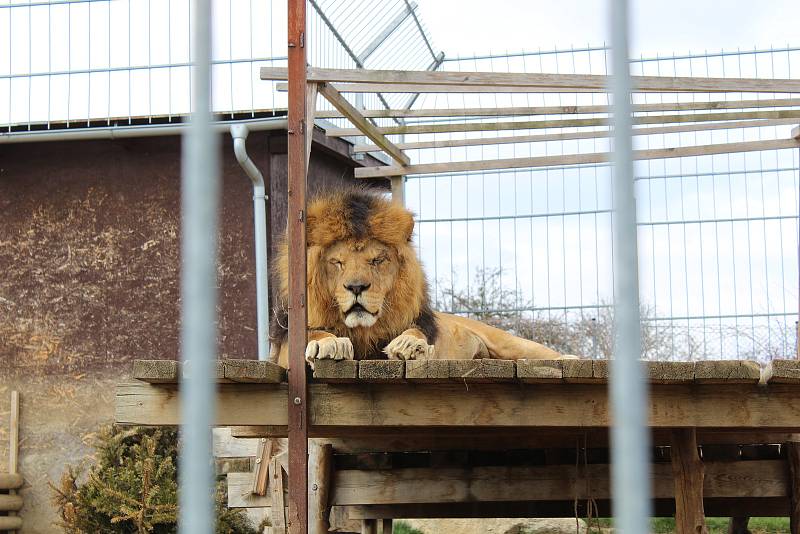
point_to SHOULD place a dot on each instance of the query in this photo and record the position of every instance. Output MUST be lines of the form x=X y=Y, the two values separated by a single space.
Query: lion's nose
x=357 y=287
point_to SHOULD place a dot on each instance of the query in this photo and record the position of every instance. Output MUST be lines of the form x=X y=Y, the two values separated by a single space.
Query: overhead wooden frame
x=493 y=82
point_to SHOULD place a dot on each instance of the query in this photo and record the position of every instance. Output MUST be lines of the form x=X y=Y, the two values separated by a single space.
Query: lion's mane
x=356 y=214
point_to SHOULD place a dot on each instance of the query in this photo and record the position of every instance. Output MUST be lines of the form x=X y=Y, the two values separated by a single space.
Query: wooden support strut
x=688 y=473
x=793 y=459
x=297 y=152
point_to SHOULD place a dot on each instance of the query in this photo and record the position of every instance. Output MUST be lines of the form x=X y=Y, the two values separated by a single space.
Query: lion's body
x=367 y=293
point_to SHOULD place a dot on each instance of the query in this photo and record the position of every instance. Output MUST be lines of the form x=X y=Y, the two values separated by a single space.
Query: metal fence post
x=199 y=204
x=630 y=437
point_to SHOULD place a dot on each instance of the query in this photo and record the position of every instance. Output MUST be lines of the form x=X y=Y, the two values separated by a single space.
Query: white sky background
x=711 y=269
x=465 y=27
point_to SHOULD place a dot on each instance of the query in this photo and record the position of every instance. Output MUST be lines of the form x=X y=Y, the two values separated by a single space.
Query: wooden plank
x=539 y=371
x=727 y=372
x=715 y=507
x=381 y=370
x=433 y=88
x=760 y=478
x=688 y=472
x=240 y=492
x=10 y=523
x=567 y=136
x=261 y=372
x=796 y=133
x=262 y=462
x=336 y=371
x=369 y=526
x=385 y=526
x=492 y=80
x=277 y=501
x=527 y=111
x=577 y=371
x=776 y=407
x=574 y=159
x=793 y=461
x=782 y=372
x=10 y=481
x=433 y=371
x=157 y=371
x=362 y=124
x=481 y=370
x=10 y=503
x=670 y=372
x=320 y=466
x=226 y=445
x=564 y=123
x=311 y=109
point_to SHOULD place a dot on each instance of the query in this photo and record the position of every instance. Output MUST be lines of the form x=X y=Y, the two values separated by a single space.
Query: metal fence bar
x=629 y=437
x=200 y=191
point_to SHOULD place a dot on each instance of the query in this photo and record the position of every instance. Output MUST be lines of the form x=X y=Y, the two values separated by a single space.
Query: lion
x=368 y=296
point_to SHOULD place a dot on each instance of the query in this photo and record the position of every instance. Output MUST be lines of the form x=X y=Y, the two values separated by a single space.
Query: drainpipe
x=239 y=133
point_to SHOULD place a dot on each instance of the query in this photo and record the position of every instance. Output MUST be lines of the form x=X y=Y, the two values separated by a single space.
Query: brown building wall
x=89 y=279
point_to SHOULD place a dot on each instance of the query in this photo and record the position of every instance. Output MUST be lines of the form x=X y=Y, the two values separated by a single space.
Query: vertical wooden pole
x=793 y=459
x=796 y=135
x=386 y=526
x=320 y=464
x=13 y=440
x=398 y=190
x=688 y=473
x=278 y=512
x=369 y=526
x=738 y=525
x=296 y=233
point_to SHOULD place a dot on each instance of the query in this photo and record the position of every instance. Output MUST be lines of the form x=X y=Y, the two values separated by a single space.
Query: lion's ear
x=393 y=224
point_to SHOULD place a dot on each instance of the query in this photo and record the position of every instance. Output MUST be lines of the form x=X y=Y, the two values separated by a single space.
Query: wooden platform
x=491 y=438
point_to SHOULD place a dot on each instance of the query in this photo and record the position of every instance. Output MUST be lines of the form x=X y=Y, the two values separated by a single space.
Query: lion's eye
x=377 y=261
x=337 y=263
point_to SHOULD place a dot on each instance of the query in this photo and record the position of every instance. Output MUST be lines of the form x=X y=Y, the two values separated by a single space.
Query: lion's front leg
x=323 y=345
x=410 y=345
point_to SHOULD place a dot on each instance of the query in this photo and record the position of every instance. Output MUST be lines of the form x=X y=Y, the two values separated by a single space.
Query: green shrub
x=132 y=488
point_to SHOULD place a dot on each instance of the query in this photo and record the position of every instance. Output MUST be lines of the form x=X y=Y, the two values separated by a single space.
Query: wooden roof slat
x=363 y=125
x=594 y=134
x=565 y=82
x=574 y=159
x=566 y=123
x=525 y=111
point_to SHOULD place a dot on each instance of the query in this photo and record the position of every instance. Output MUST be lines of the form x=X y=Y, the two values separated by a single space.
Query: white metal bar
x=199 y=202
x=629 y=437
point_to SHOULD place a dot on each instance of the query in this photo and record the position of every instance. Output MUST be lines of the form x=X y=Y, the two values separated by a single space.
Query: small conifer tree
x=133 y=488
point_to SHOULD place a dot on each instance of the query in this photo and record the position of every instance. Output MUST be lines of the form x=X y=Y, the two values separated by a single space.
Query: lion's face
x=360 y=274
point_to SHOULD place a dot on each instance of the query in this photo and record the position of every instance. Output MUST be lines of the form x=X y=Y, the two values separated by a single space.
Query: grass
x=400 y=527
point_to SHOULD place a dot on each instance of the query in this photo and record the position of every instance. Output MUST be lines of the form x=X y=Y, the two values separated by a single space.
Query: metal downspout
x=239 y=133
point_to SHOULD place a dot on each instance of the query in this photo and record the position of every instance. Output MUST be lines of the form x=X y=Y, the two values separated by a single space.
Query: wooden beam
x=567 y=136
x=10 y=523
x=320 y=466
x=261 y=472
x=564 y=123
x=345 y=408
x=764 y=479
x=490 y=80
x=796 y=133
x=278 y=500
x=575 y=159
x=689 y=477
x=13 y=454
x=362 y=124
x=793 y=461
x=311 y=110
x=527 y=111
x=10 y=481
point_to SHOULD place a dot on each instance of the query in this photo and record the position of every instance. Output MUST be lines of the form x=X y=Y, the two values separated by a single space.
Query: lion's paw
x=329 y=348
x=406 y=347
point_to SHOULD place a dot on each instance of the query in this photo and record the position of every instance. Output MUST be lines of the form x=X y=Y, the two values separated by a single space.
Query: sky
x=464 y=27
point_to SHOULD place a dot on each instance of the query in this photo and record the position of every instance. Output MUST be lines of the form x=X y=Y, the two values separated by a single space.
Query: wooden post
x=385 y=526
x=369 y=526
x=793 y=459
x=688 y=473
x=796 y=135
x=261 y=472
x=13 y=441
x=398 y=190
x=298 y=130
x=278 y=503
x=738 y=525
x=320 y=464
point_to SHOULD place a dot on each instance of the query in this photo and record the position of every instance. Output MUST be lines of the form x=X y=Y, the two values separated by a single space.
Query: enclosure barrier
x=682 y=406
x=11 y=482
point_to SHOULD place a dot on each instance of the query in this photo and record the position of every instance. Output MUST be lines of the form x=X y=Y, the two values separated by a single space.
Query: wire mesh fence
x=717 y=234
x=85 y=62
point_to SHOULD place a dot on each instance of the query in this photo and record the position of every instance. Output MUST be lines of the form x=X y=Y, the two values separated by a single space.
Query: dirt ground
x=60 y=414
